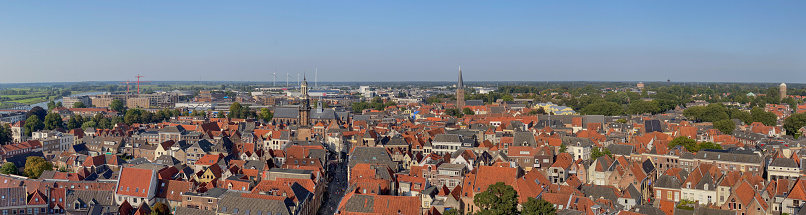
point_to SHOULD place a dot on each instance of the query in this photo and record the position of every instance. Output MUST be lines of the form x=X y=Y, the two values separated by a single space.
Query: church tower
x=304 y=104
x=460 y=92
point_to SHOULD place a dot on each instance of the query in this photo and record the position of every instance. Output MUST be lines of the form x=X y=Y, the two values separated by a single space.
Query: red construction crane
x=138 y=82
x=127 y=85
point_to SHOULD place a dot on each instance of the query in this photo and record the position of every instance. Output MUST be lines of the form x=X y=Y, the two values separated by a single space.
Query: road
x=334 y=190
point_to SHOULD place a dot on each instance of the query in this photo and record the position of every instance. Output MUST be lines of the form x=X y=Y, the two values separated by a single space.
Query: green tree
x=793 y=123
x=688 y=143
x=642 y=107
x=133 y=116
x=34 y=166
x=36 y=111
x=53 y=121
x=563 y=148
x=694 y=113
x=8 y=168
x=596 y=153
x=538 y=207
x=603 y=108
x=468 y=111
x=79 y=105
x=541 y=110
x=5 y=134
x=708 y=145
x=33 y=124
x=51 y=105
x=266 y=115
x=89 y=124
x=764 y=117
x=744 y=116
x=117 y=105
x=160 y=208
x=715 y=112
x=59 y=104
x=221 y=114
x=498 y=199
x=726 y=126
x=236 y=110
x=454 y=112
x=452 y=211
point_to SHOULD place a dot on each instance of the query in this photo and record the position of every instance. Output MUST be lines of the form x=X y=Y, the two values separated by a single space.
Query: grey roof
x=577 y=141
x=620 y=149
x=194 y=211
x=652 y=126
x=784 y=162
x=394 y=141
x=648 y=210
x=371 y=155
x=358 y=202
x=729 y=156
x=634 y=192
x=323 y=114
x=596 y=192
x=710 y=211
x=668 y=181
x=450 y=138
x=474 y=102
x=286 y=112
x=524 y=139
x=232 y=202
x=102 y=197
x=213 y=192
x=253 y=164
x=167 y=160
x=172 y=129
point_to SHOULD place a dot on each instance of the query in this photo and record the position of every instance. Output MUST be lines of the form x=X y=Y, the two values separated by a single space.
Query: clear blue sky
x=746 y=41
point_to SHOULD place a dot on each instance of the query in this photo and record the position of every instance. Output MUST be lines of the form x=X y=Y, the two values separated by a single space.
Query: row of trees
x=691 y=145
x=375 y=104
x=34 y=166
x=717 y=112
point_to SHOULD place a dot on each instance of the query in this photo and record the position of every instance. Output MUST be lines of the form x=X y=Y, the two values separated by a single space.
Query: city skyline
x=418 y=41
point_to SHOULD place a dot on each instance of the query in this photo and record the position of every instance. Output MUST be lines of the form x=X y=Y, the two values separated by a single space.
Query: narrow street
x=334 y=192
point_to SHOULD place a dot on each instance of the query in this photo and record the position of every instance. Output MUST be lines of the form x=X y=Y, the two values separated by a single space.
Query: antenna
x=286 y=79
x=297 y=79
x=274 y=81
x=316 y=79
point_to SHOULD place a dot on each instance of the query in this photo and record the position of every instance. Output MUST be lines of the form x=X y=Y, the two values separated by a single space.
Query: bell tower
x=304 y=104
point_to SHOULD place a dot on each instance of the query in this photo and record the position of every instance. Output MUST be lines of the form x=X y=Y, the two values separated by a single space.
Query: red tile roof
x=134 y=182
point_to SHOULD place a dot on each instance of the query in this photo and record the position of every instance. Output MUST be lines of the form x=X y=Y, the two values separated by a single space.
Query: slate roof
x=371 y=155
x=524 y=139
x=449 y=138
x=233 y=201
x=784 y=162
x=286 y=112
x=730 y=157
x=620 y=149
x=194 y=211
x=668 y=181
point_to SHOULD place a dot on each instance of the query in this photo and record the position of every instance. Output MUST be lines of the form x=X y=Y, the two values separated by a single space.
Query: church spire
x=461 y=83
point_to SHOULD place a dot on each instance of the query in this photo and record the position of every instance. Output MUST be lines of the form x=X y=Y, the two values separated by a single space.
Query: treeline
x=375 y=104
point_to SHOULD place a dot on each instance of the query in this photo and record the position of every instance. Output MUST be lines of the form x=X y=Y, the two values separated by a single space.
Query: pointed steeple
x=461 y=83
